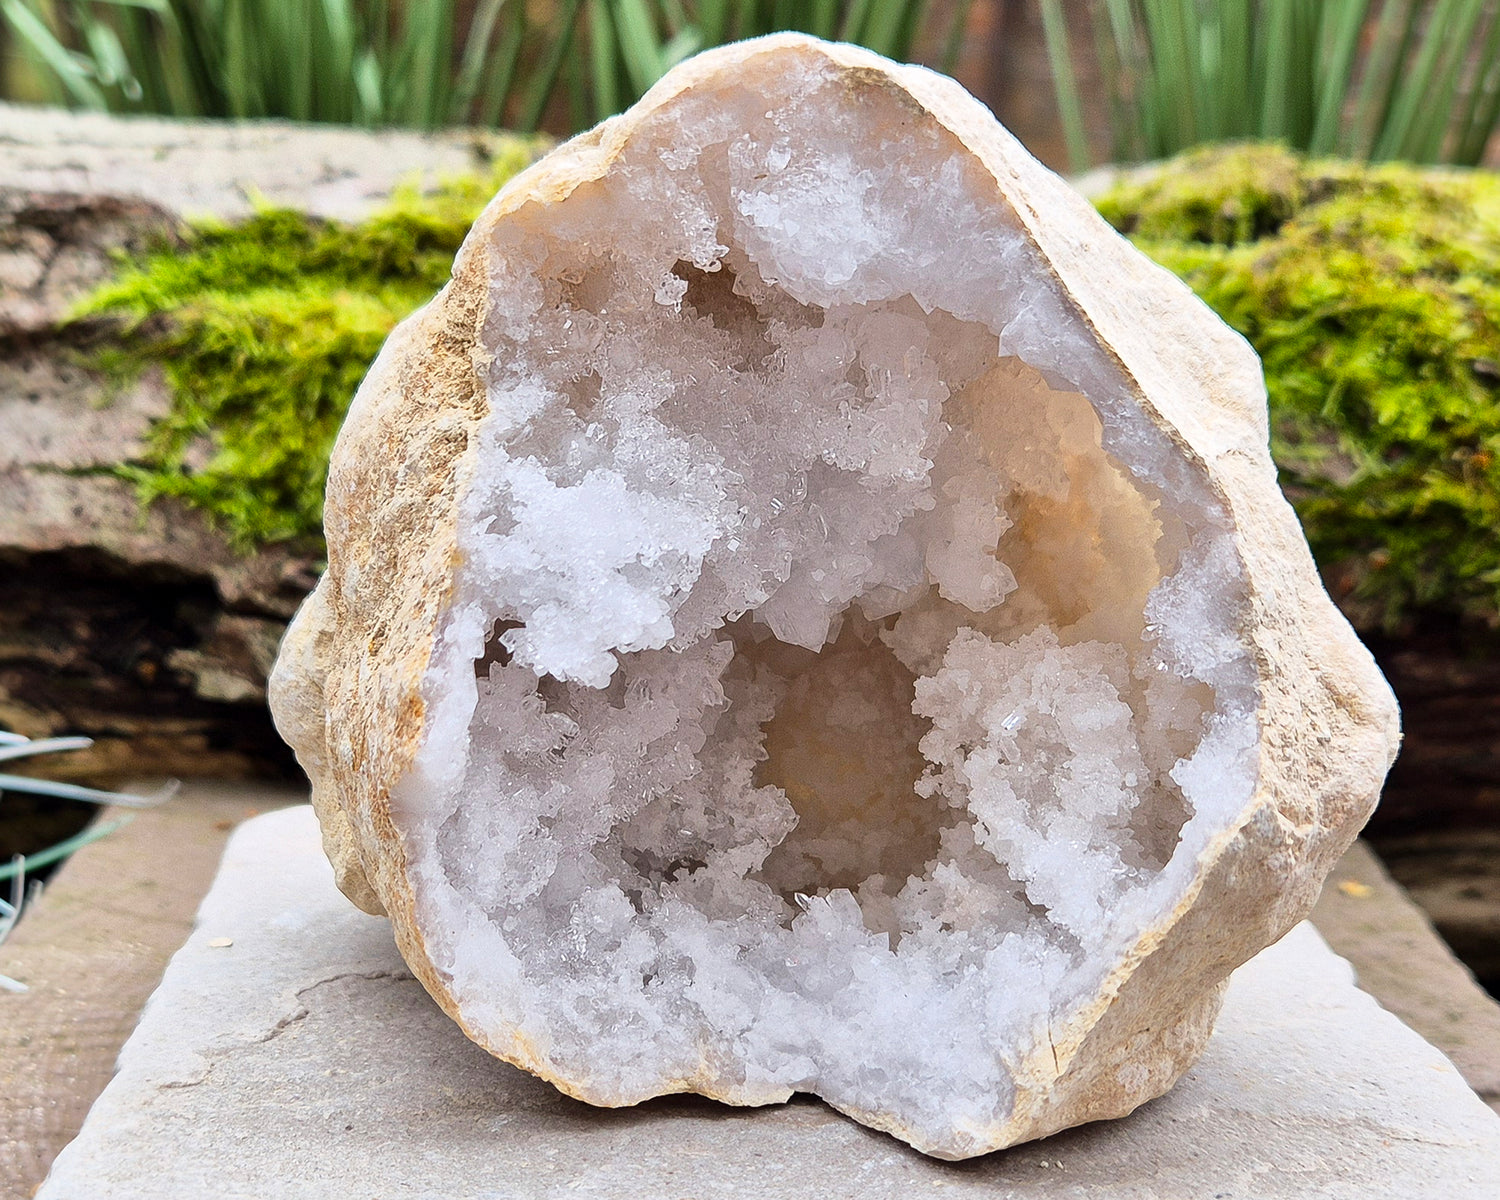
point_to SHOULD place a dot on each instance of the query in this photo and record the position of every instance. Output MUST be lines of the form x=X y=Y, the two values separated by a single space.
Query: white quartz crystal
x=839 y=671
x=823 y=724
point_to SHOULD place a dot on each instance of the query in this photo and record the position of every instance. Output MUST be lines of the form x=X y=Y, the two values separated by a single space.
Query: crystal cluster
x=839 y=670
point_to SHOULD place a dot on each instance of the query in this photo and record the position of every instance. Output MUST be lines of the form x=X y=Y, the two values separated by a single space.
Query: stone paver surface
x=289 y=1053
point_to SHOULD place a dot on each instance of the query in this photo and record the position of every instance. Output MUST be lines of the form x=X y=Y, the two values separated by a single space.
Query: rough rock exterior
x=809 y=608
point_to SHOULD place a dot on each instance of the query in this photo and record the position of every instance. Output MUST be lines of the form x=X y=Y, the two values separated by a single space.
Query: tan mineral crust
x=809 y=609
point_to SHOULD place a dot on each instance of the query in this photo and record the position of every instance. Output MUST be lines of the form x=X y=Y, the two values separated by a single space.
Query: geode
x=809 y=609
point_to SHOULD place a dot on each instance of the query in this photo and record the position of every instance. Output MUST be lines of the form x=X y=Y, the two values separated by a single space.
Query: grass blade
x=202 y=56
x=883 y=28
x=1379 y=77
x=1411 y=83
x=1114 y=86
x=953 y=44
x=142 y=31
x=110 y=66
x=1276 y=78
x=789 y=14
x=1233 y=53
x=1172 y=91
x=1344 y=23
x=713 y=20
x=57 y=58
x=475 y=54
x=340 y=31
x=545 y=79
x=1065 y=83
x=1134 y=87
x=370 y=106
x=1477 y=125
x=605 y=60
x=855 y=16
x=822 y=18
x=73 y=791
x=428 y=31
x=577 y=93
x=45 y=858
x=640 y=46
x=502 y=74
x=683 y=45
x=1436 y=112
x=296 y=99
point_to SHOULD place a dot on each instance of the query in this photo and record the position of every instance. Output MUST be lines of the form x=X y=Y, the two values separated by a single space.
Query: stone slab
x=302 y=1060
x=226 y=168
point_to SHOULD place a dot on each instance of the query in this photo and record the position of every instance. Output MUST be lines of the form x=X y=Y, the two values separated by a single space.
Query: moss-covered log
x=1373 y=297
x=262 y=329
x=151 y=627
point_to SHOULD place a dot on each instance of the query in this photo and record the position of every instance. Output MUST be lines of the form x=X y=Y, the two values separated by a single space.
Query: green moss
x=263 y=330
x=1373 y=297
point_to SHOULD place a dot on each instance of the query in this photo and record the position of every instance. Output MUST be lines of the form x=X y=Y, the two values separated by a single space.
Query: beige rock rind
x=346 y=691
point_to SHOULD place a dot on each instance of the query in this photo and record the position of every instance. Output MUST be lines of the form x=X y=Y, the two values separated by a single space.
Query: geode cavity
x=809 y=608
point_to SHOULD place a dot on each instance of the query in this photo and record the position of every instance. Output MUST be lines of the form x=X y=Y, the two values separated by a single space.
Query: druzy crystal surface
x=840 y=672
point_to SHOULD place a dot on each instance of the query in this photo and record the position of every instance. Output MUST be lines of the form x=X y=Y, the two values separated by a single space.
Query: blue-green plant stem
x=20 y=747
x=53 y=854
x=73 y=791
x=14 y=745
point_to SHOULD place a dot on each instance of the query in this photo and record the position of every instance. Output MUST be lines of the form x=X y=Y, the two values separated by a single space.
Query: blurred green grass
x=419 y=63
x=1415 y=80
